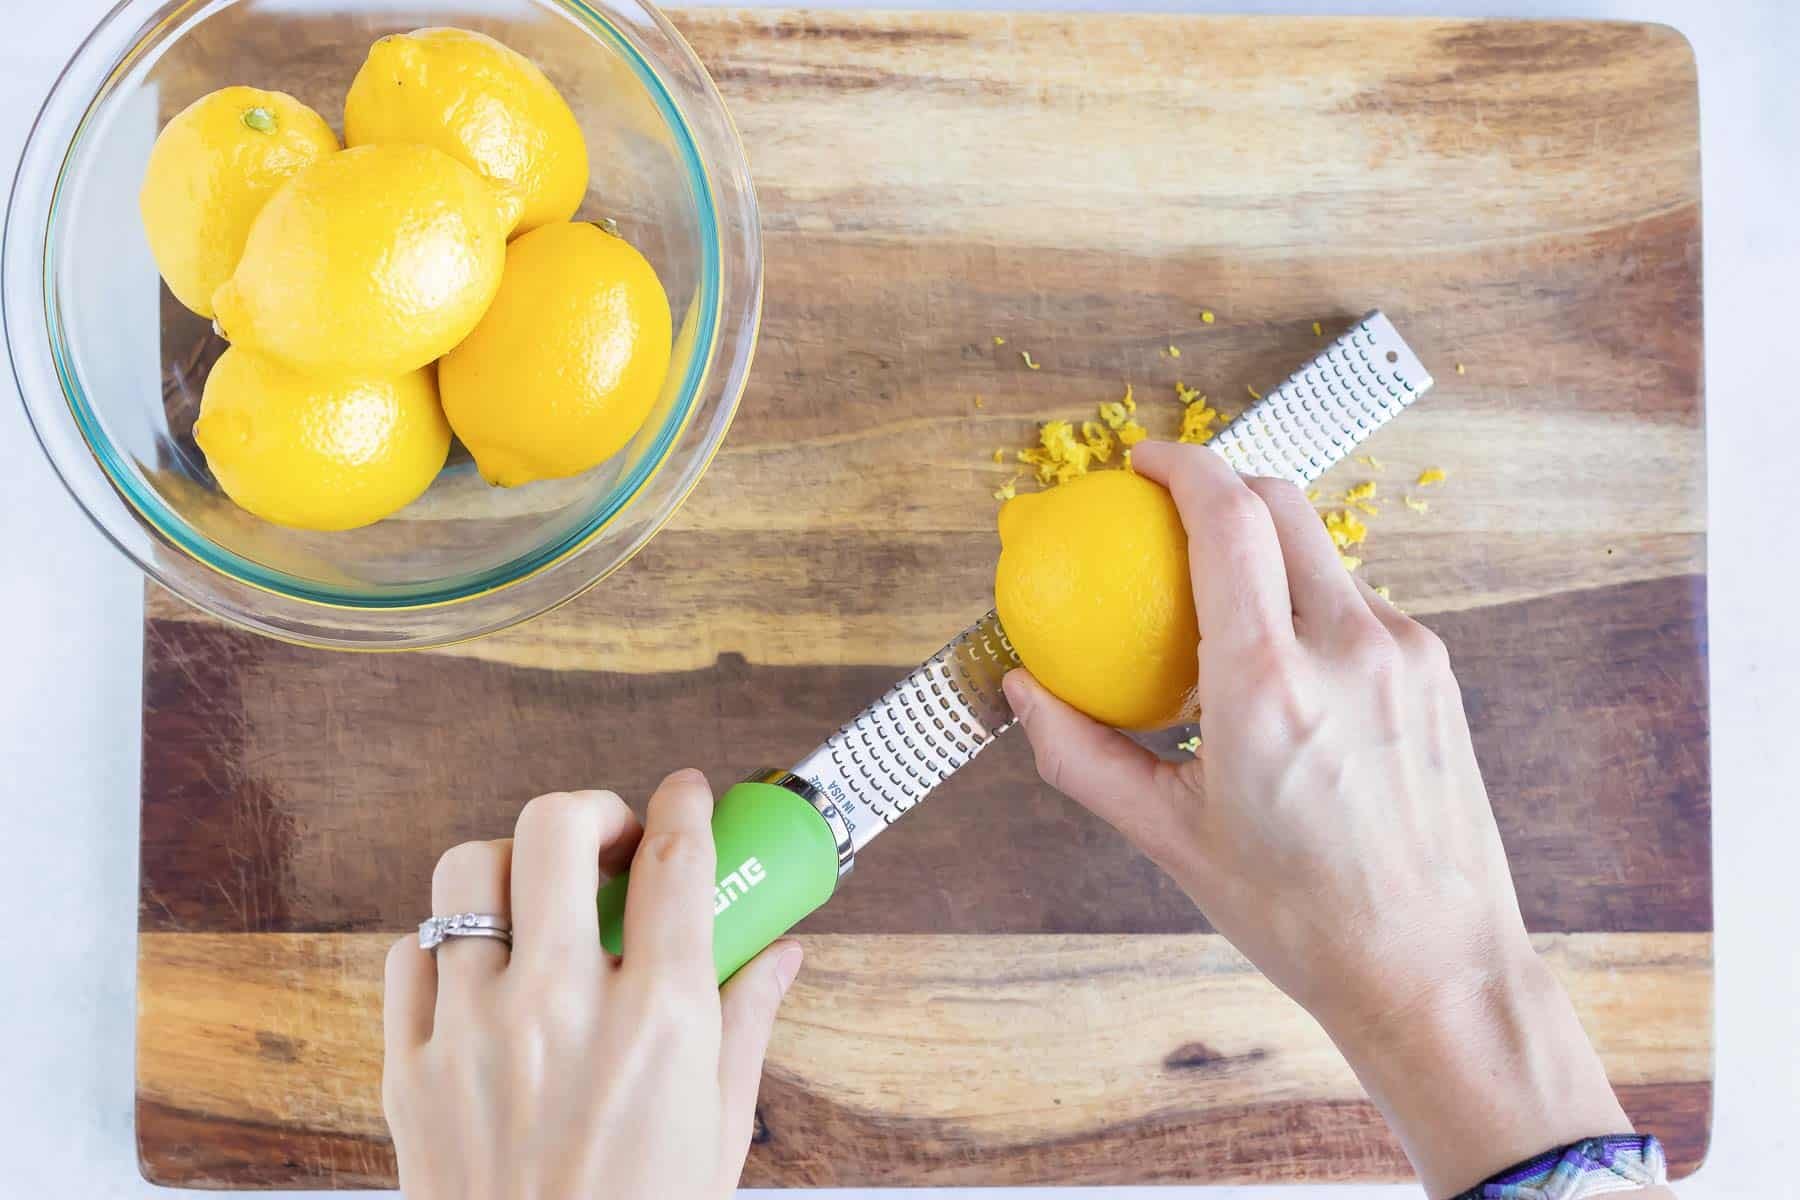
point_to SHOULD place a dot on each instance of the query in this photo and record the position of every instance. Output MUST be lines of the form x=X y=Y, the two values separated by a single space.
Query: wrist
x=1482 y=1069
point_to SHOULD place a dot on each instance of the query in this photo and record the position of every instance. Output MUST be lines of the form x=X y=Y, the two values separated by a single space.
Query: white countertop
x=71 y=608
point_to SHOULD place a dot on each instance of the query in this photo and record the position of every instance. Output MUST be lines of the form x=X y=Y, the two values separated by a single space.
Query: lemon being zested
x=568 y=360
x=483 y=104
x=319 y=454
x=1094 y=591
x=212 y=168
x=372 y=261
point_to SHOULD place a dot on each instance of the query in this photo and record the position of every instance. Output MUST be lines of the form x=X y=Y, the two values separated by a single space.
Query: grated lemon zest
x=1198 y=421
x=1415 y=504
x=1430 y=475
x=1346 y=528
x=1361 y=491
x=1026 y=355
x=1206 y=316
x=1317 y=331
x=1254 y=394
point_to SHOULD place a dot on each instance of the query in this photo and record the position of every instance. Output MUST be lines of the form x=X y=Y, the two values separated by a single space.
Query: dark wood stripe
x=177 y=1148
x=814 y=1143
x=289 y=790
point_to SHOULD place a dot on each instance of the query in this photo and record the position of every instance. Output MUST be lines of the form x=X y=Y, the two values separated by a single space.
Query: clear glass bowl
x=110 y=366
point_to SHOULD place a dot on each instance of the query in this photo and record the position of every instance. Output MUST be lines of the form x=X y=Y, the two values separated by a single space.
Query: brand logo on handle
x=737 y=884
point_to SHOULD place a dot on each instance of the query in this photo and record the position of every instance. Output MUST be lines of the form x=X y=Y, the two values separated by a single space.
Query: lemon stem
x=259 y=119
x=606 y=225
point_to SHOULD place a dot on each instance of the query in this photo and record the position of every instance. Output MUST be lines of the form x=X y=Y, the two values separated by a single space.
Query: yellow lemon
x=372 y=261
x=213 y=166
x=483 y=104
x=1094 y=591
x=566 y=364
x=319 y=453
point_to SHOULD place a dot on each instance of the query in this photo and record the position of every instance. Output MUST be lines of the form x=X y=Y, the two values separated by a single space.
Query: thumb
x=748 y=1004
x=1099 y=768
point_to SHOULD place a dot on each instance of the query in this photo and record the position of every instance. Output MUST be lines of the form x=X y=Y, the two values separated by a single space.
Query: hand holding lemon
x=341 y=276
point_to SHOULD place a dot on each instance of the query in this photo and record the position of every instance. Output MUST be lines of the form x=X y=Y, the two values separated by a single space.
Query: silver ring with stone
x=435 y=931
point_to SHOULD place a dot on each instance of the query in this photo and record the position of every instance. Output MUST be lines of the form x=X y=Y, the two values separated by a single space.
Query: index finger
x=669 y=907
x=1234 y=556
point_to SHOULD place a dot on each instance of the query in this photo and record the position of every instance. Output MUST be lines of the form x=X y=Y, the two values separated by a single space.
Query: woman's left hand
x=555 y=1069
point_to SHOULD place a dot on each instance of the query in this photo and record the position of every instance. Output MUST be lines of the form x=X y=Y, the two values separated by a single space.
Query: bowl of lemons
x=364 y=331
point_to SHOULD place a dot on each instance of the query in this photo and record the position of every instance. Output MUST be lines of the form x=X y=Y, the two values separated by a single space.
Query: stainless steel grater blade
x=877 y=768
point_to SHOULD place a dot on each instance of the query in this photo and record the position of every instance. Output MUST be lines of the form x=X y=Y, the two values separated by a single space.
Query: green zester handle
x=778 y=860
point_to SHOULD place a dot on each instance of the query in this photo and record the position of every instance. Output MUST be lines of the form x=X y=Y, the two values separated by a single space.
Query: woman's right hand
x=1334 y=826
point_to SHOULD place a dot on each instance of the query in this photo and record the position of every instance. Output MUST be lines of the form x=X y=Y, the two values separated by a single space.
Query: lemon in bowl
x=113 y=365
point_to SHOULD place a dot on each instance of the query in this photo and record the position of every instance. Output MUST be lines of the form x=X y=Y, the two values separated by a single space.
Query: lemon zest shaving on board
x=1416 y=505
x=1206 y=316
x=1198 y=423
x=1346 y=528
x=1429 y=476
x=1026 y=355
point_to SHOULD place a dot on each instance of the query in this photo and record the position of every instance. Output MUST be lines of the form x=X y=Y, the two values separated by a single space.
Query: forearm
x=1484 y=1075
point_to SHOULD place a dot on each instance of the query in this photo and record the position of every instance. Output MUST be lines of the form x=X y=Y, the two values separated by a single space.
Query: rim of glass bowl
x=136 y=520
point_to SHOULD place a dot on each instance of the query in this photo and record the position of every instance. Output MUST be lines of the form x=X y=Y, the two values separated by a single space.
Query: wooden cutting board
x=1004 y=992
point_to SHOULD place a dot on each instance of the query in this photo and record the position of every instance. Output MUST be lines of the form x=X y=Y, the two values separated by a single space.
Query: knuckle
x=1281 y=686
x=677 y=1007
x=1371 y=648
x=1274 y=490
x=558 y=811
x=680 y=850
x=462 y=861
x=1425 y=647
x=1050 y=763
x=1239 y=513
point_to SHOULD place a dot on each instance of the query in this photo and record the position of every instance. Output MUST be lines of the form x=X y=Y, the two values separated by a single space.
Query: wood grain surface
x=1521 y=198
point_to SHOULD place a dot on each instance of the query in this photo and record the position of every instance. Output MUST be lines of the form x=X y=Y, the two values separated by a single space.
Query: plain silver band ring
x=435 y=931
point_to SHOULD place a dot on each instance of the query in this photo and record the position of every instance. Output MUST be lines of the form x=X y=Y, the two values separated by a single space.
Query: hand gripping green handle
x=778 y=860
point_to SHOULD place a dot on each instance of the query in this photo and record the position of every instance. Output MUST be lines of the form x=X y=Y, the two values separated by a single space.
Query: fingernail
x=1017 y=686
x=787 y=965
x=689 y=775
